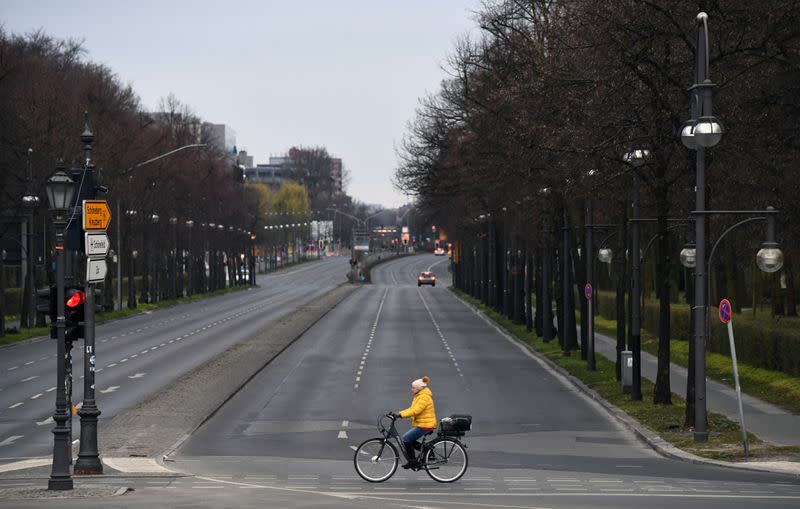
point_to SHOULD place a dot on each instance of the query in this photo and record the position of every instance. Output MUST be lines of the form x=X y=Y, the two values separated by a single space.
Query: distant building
x=336 y=175
x=273 y=174
x=244 y=159
x=220 y=136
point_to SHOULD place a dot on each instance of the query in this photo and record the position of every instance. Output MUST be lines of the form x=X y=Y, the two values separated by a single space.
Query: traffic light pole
x=88 y=458
x=60 y=477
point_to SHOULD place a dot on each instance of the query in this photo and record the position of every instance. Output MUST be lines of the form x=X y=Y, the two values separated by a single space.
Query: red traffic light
x=76 y=299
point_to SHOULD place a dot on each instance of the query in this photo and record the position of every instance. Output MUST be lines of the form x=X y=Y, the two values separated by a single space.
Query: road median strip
x=158 y=426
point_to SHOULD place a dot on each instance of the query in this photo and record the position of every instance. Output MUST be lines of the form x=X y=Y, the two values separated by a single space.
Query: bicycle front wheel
x=446 y=460
x=376 y=460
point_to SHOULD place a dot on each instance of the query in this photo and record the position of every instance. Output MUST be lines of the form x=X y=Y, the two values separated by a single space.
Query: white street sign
x=95 y=270
x=96 y=244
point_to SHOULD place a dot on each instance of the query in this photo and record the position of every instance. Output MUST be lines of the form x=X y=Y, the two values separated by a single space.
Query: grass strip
x=23 y=334
x=774 y=387
x=724 y=441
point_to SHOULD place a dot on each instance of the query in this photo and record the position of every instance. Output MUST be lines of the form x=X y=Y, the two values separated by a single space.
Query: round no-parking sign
x=587 y=291
x=725 y=311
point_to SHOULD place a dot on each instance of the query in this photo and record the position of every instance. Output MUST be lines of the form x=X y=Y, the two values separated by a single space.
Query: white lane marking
x=137 y=375
x=13 y=368
x=110 y=389
x=342 y=434
x=15 y=405
x=34 y=377
x=345 y=424
x=29 y=363
x=134 y=356
x=49 y=420
x=144 y=352
x=124 y=360
x=35 y=396
x=51 y=389
x=111 y=365
x=10 y=440
x=355 y=386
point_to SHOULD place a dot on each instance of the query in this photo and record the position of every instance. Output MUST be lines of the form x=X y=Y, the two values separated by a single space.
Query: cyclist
x=423 y=418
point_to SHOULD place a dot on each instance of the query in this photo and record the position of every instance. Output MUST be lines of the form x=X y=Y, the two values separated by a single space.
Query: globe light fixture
x=688 y=256
x=605 y=255
x=707 y=131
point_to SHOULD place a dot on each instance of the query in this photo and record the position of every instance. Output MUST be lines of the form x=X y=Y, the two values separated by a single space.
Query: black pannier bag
x=456 y=424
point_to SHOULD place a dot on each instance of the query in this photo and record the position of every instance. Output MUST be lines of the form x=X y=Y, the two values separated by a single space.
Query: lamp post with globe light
x=703 y=130
x=60 y=191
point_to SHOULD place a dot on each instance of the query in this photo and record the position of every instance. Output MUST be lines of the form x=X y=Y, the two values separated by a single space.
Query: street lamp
x=689 y=255
x=605 y=255
x=190 y=283
x=29 y=202
x=60 y=190
x=770 y=258
x=636 y=158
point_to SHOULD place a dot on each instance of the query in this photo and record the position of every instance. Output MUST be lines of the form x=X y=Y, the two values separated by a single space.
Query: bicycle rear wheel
x=446 y=460
x=376 y=460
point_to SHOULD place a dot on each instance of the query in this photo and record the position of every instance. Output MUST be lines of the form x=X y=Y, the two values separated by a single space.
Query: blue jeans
x=415 y=434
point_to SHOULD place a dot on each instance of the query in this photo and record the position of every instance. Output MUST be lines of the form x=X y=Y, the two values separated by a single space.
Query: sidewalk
x=765 y=420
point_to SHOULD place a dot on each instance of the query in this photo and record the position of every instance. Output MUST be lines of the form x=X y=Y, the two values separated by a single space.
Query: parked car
x=426 y=278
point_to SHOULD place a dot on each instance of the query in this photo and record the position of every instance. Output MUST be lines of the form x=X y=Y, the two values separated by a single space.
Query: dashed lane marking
x=15 y=405
x=34 y=377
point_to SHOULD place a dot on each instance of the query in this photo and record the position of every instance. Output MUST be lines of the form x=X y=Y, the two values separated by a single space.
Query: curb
x=642 y=432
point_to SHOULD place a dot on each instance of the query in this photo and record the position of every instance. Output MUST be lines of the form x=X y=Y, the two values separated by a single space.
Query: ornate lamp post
x=636 y=158
x=702 y=131
x=29 y=202
x=131 y=215
x=190 y=258
x=60 y=191
x=153 y=259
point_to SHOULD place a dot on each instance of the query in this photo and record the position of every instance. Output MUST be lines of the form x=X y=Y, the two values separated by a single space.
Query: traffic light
x=46 y=302
x=74 y=299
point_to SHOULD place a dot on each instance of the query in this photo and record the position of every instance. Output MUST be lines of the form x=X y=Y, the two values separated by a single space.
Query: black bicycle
x=444 y=457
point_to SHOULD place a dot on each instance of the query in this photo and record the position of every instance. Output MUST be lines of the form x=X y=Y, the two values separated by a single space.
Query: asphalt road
x=536 y=442
x=140 y=355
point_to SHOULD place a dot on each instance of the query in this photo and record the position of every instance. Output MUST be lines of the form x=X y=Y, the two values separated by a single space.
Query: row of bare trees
x=47 y=84
x=552 y=89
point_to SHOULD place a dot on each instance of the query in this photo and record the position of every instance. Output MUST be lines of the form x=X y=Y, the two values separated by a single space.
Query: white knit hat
x=419 y=383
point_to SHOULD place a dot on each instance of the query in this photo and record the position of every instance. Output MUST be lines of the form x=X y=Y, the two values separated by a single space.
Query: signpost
x=95 y=270
x=588 y=291
x=726 y=317
x=96 y=215
x=96 y=218
x=96 y=244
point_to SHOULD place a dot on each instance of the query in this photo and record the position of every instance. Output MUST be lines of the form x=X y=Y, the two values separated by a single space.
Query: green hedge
x=13 y=301
x=760 y=341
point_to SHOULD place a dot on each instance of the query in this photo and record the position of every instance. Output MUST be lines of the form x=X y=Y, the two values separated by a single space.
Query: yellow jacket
x=421 y=410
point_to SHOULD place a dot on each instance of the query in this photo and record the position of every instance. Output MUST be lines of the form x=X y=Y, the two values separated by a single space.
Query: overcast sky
x=341 y=73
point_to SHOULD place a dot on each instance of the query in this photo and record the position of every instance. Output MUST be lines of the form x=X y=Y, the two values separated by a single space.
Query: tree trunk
x=537 y=322
x=662 y=393
x=2 y=291
x=791 y=294
x=621 y=279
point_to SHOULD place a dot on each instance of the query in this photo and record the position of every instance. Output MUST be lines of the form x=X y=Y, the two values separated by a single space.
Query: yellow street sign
x=96 y=215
